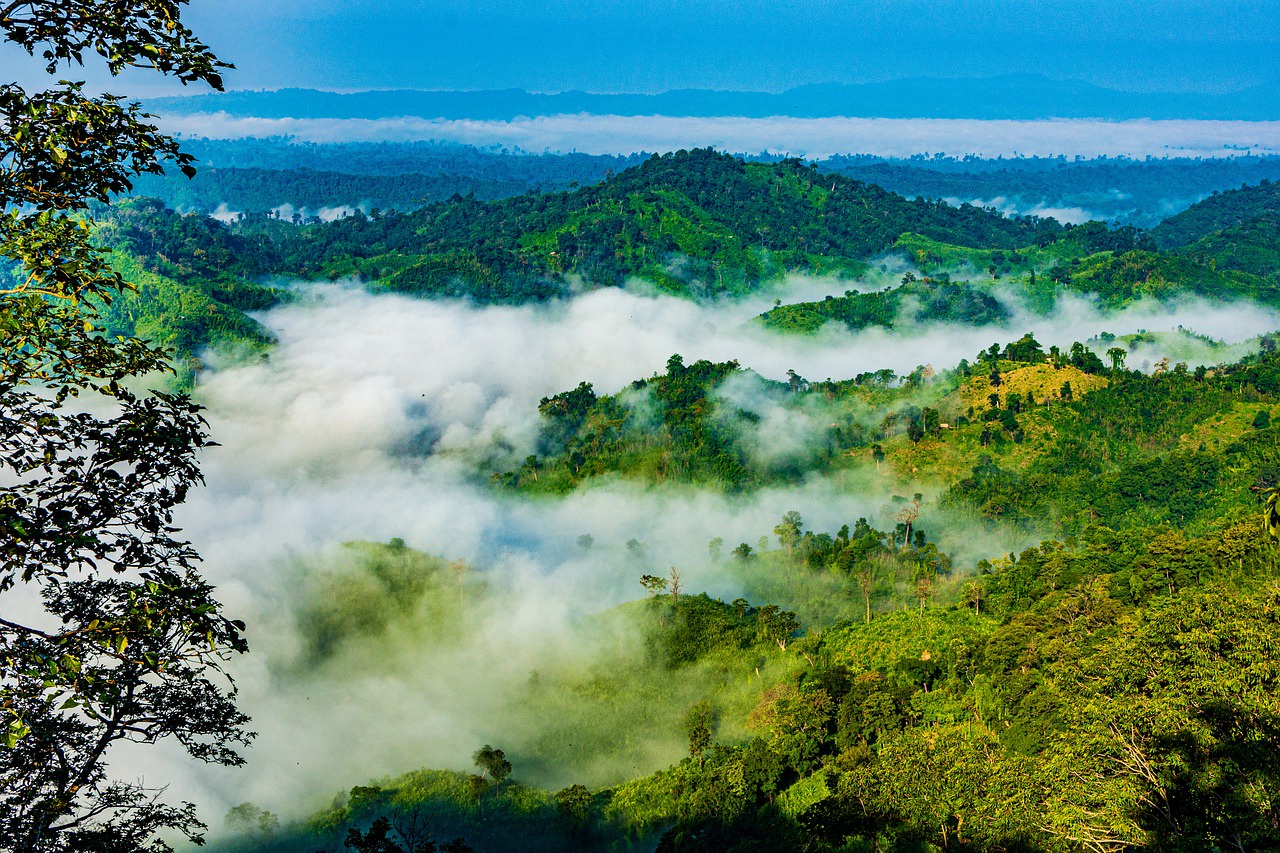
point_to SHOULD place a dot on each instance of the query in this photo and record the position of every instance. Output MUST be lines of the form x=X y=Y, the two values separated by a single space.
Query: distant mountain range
x=1021 y=97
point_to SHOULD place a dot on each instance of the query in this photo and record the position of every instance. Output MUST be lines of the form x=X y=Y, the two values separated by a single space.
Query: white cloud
x=365 y=423
x=223 y=213
x=814 y=138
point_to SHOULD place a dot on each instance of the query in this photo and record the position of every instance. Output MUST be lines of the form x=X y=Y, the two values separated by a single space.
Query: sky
x=655 y=45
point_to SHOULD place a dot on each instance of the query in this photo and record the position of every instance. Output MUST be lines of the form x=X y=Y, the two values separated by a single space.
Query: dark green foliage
x=193 y=279
x=693 y=222
x=1218 y=212
x=1136 y=192
x=493 y=763
x=683 y=631
x=929 y=302
x=665 y=427
x=408 y=832
x=574 y=803
x=376 y=840
x=699 y=725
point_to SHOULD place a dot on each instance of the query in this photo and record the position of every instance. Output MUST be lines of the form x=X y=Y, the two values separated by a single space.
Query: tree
x=788 y=530
x=924 y=589
x=128 y=640
x=877 y=453
x=972 y=593
x=248 y=819
x=492 y=763
x=574 y=804
x=1117 y=356
x=776 y=625
x=796 y=723
x=699 y=725
x=377 y=839
x=867 y=583
x=411 y=827
x=532 y=465
x=761 y=768
x=653 y=584
x=907 y=516
x=1173 y=724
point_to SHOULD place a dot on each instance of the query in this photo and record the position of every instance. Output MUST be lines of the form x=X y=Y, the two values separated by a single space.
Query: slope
x=693 y=222
x=1219 y=211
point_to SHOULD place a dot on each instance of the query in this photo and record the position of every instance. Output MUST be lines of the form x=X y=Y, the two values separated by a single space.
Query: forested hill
x=901 y=683
x=193 y=278
x=257 y=190
x=693 y=222
x=258 y=175
x=1230 y=209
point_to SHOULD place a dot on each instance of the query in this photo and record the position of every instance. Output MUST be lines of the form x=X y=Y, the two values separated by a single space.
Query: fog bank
x=814 y=138
x=376 y=417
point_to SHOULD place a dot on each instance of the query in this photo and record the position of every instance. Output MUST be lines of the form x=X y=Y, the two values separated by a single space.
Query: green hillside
x=1116 y=681
x=1220 y=211
x=1020 y=435
x=694 y=222
x=193 y=281
x=1120 y=278
x=1251 y=247
x=928 y=300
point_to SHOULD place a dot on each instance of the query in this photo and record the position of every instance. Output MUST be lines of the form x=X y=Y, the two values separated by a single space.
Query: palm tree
x=1271 y=513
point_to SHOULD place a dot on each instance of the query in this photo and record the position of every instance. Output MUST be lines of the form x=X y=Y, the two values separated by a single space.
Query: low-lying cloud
x=369 y=421
x=801 y=137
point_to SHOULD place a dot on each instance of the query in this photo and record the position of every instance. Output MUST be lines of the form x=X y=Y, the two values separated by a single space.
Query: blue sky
x=652 y=45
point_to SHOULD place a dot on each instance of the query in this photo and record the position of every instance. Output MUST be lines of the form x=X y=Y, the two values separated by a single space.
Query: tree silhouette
x=130 y=639
x=492 y=763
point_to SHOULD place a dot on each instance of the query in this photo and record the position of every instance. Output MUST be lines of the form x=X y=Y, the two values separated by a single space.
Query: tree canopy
x=128 y=641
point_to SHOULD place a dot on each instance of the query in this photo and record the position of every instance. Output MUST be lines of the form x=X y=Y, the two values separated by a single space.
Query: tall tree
x=789 y=530
x=492 y=762
x=107 y=631
x=699 y=725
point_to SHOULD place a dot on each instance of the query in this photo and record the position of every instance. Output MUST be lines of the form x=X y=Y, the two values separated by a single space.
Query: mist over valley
x=553 y=427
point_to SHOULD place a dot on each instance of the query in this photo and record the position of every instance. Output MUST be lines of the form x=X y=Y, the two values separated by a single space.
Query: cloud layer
x=813 y=138
x=368 y=422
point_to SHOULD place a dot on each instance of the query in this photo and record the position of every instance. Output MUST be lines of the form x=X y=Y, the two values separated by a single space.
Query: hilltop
x=1218 y=212
x=695 y=222
x=1028 y=692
